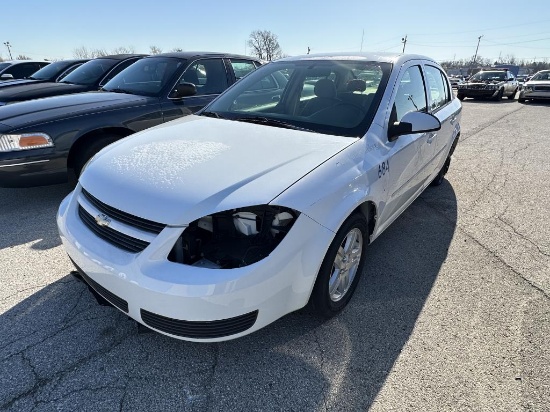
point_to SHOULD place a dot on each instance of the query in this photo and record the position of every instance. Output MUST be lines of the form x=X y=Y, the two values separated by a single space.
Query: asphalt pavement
x=452 y=312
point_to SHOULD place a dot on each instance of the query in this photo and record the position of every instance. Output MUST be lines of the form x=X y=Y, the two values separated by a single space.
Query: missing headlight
x=233 y=238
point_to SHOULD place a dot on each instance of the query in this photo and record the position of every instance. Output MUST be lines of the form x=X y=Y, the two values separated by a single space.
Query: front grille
x=112 y=236
x=199 y=329
x=131 y=220
x=111 y=297
x=542 y=88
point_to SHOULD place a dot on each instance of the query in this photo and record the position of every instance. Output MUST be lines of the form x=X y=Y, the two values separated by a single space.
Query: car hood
x=537 y=83
x=18 y=82
x=189 y=168
x=53 y=108
x=24 y=92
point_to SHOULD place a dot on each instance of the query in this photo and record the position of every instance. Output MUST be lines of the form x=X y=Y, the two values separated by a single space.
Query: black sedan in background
x=89 y=76
x=19 y=69
x=42 y=141
x=53 y=72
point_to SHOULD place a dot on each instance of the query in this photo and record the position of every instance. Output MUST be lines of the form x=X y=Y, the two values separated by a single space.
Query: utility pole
x=404 y=41
x=362 y=37
x=308 y=49
x=477 y=48
x=7 y=44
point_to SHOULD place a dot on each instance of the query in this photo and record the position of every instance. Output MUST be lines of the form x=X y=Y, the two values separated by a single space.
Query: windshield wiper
x=271 y=122
x=118 y=90
x=212 y=114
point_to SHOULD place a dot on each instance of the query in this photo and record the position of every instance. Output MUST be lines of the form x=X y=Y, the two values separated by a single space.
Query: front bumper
x=534 y=94
x=36 y=167
x=196 y=303
x=478 y=92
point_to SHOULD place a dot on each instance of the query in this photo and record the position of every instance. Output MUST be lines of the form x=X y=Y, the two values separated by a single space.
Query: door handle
x=431 y=137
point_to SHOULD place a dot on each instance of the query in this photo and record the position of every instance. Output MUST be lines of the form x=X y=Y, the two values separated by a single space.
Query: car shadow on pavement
x=60 y=350
x=28 y=215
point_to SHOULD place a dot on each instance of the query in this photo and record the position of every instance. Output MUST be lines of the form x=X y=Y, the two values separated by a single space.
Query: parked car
x=53 y=72
x=42 y=141
x=212 y=226
x=490 y=83
x=537 y=87
x=522 y=78
x=90 y=76
x=455 y=81
x=19 y=69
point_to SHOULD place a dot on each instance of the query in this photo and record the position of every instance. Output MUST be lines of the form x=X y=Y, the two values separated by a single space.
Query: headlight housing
x=528 y=88
x=24 y=141
x=233 y=238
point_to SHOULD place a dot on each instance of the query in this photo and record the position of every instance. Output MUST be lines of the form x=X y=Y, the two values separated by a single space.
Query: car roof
x=24 y=61
x=194 y=54
x=395 y=58
x=120 y=56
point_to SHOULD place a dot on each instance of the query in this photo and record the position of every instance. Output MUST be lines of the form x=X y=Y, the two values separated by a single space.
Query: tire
x=441 y=175
x=460 y=96
x=521 y=100
x=334 y=286
x=89 y=150
x=499 y=95
x=513 y=95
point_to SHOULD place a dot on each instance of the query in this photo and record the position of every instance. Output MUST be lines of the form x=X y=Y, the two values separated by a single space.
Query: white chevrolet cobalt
x=212 y=226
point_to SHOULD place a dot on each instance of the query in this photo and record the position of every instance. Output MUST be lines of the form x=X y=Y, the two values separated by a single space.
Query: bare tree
x=177 y=49
x=155 y=50
x=124 y=50
x=22 y=57
x=85 y=53
x=264 y=45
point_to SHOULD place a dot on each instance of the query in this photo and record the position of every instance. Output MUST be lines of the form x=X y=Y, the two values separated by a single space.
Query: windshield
x=489 y=76
x=145 y=77
x=541 y=76
x=91 y=72
x=324 y=96
x=50 y=71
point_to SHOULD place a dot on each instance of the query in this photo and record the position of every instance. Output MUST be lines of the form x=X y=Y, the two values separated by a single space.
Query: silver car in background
x=538 y=87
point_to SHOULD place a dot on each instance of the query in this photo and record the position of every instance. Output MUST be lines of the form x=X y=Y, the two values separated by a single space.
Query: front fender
x=331 y=192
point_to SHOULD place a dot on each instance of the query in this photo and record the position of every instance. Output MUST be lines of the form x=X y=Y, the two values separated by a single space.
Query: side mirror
x=6 y=76
x=414 y=122
x=183 y=90
x=511 y=79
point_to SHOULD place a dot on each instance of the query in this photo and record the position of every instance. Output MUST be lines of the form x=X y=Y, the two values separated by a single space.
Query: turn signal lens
x=13 y=142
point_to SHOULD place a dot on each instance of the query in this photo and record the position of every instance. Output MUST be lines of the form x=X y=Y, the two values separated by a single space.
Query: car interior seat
x=325 y=96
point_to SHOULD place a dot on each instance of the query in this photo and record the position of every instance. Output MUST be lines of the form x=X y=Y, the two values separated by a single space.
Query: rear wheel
x=441 y=175
x=89 y=149
x=341 y=267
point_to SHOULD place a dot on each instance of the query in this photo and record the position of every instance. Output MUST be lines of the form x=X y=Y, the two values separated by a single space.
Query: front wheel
x=341 y=267
x=460 y=96
x=89 y=149
x=499 y=95
x=521 y=100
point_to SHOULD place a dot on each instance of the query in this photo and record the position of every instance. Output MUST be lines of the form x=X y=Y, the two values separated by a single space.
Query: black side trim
x=109 y=296
x=199 y=329
x=137 y=222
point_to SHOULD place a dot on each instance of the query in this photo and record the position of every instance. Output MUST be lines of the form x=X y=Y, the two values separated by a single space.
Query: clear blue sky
x=443 y=30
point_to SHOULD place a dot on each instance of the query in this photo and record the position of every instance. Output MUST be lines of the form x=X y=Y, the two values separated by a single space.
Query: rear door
x=439 y=102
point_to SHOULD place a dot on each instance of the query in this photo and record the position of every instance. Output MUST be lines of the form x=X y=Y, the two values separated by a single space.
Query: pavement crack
x=481 y=128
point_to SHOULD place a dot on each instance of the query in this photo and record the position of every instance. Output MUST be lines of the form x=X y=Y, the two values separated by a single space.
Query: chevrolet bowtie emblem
x=102 y=220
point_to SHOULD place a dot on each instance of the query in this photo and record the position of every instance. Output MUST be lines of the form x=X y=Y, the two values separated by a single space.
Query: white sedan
x=213 y=226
